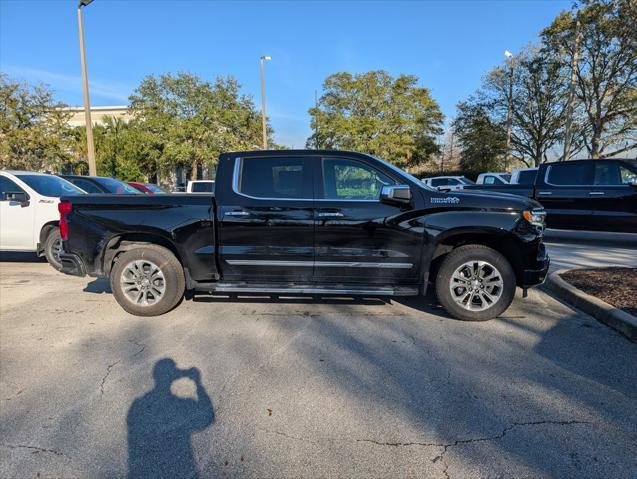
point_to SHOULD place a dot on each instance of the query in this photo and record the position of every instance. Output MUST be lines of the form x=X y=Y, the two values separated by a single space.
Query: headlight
x=535 y=217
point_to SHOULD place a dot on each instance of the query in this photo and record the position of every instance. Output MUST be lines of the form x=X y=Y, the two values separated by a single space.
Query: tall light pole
x=90 y=148
x=509 y=56
x=568 y=136
x=263 y=117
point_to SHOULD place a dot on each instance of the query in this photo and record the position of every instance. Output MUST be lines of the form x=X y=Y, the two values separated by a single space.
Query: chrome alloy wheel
x=476 y=285
x=143 y=282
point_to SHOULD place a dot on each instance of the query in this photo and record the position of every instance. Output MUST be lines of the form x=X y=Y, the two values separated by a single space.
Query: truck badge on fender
x=445 y=200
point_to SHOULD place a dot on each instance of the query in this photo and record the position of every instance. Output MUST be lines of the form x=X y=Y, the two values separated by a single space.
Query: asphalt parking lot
x=303 y=387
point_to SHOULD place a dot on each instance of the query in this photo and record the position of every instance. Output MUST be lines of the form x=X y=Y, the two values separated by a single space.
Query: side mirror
x=18 y=197
x=395 y=194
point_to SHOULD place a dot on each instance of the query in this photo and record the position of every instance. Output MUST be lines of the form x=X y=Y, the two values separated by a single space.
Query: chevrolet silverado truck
x=582 y=194
x=308 y=222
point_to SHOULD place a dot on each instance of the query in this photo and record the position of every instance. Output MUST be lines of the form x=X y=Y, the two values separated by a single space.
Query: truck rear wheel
x=148 y=280
x=53 y=248
x=475 y=283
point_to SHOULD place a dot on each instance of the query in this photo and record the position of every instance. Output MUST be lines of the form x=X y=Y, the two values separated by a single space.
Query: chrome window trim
x=236 y=179
x=546 y=181
x=320 y=264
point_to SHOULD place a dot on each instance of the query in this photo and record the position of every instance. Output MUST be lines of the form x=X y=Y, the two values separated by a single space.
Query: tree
x=606 y=72
x=34 y=134
x=536 y=86
x=186 y=121
x=375 y=113
x=481 y=139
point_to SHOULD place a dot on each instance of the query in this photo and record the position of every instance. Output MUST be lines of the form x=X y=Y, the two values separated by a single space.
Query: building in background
x=98 y=113
x=181 y=174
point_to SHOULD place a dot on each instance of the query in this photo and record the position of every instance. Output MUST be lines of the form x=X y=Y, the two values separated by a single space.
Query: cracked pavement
x=306 y=388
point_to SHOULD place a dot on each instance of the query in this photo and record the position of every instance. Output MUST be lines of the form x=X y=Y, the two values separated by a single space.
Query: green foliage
x=606 y=71
x=375 y=113
x=482 y=139
x=34 y=134
x=183 y=120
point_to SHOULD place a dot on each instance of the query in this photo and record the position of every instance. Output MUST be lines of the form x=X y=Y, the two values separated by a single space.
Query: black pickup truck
x=583 y=194
x=308 y=222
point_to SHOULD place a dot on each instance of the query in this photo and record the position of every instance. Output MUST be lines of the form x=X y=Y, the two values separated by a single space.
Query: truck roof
x=305 y=152
x=24 y=172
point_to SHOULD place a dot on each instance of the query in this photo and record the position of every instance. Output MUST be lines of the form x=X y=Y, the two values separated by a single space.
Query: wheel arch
x=45 y=231
x=121 y=243
x=503 y=242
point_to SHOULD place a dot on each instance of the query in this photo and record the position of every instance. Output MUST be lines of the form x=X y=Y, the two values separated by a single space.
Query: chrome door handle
x=596 y=193
x=330 y=214
x=236 y=213
x=544 y=192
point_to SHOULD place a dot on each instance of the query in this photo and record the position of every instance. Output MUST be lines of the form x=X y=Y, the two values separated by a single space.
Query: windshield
x=404 y=174
x=117 y=187
x=506 y=177
x=155 y=189
x=466 y=181
x=49 y=185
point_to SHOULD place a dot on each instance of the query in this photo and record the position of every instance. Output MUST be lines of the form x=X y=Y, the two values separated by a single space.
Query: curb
x=614 y=317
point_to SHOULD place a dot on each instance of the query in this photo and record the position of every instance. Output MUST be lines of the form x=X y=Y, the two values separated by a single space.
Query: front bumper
x=72 y=264
x=537 y=274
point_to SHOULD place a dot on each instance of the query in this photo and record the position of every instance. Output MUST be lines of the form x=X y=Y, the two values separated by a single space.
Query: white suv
x=29 y=212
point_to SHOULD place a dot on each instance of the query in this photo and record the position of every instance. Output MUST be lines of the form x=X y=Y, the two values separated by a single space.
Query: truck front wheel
x=148 y=280
x=475 y=283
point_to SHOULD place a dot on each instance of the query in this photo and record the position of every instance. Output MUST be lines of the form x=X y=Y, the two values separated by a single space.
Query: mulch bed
x=616 y=286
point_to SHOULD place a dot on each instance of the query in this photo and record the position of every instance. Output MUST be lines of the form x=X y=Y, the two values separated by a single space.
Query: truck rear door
x=266 y=219
x=563 y=189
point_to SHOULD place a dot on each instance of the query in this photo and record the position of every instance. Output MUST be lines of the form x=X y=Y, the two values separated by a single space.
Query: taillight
x=65 y=208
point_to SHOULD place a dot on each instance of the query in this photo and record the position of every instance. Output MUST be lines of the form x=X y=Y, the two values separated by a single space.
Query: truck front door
x=16 y=218
x=266 y=221
x=358 y=238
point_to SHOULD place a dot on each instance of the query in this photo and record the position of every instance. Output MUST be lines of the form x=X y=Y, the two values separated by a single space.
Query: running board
x=231 y=288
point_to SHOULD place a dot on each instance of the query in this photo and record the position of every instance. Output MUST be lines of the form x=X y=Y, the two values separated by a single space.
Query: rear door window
x=570 y=174
x=275 y=178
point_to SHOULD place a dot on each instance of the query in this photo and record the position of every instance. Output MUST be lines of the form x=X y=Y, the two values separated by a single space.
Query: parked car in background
x=148 y=188
x=101 y=184
x=29 y=214
x=309 y=222
x=447 y=183
x=200 y=186
x=523 y=176
x=493 y=179
x=583 y=194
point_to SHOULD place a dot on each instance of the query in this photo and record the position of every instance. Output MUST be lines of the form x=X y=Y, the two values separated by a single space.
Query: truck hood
x=484 y=200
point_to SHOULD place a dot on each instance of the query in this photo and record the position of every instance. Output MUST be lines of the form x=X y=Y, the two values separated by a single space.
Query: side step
x=347 y=290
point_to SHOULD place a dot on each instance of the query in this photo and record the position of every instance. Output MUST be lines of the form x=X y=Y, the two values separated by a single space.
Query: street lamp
x=263 y=118
x=90 y=148
x=509 y=56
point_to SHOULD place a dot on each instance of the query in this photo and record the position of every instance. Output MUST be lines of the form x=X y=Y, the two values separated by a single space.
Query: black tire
x=173 y=281
x=52 y=248
x=475 y=253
